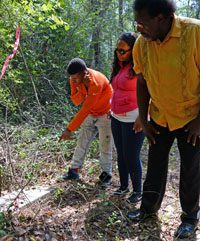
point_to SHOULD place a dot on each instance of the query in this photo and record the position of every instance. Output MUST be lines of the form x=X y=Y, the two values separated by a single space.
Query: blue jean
x=128 y=145
x=155 y=183
x=89 y=129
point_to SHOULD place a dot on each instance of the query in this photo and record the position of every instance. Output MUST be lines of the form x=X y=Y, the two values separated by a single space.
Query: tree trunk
x=121 y=23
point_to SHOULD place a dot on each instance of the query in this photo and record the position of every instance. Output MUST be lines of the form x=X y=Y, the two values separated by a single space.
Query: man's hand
x=66 y=135
x=193 y=129
x=150 y=132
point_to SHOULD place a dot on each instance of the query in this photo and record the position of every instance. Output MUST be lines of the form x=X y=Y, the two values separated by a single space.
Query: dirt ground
x=82 y=211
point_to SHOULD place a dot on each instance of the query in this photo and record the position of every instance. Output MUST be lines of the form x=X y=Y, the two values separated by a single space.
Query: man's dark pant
x=155 y=183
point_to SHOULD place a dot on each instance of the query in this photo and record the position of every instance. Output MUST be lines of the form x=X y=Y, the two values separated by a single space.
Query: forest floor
x=82 y=211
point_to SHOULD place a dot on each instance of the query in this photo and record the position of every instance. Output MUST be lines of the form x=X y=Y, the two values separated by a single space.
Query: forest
x=35 y=108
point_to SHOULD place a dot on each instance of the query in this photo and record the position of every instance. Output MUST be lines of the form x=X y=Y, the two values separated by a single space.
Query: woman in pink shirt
x=125 y=123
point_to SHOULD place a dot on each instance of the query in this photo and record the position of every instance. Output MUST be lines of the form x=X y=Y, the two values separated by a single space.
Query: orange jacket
x=96 y=100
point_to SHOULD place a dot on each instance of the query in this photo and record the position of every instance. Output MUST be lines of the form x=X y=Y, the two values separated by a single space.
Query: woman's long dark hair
x=129 y=38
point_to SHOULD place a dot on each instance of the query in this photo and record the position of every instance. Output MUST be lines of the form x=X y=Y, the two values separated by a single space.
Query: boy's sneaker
x=72 y=174
x=105 y=179
x=134 y=198
x=121 y=191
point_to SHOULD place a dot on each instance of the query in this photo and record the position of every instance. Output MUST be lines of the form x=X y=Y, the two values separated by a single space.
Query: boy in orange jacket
x=93 y=90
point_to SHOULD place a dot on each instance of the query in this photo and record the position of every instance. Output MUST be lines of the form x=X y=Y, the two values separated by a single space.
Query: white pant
x=89 y=129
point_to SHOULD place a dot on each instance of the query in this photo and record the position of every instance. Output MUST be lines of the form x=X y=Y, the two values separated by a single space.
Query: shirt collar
x=176 y=27
x=175 y=31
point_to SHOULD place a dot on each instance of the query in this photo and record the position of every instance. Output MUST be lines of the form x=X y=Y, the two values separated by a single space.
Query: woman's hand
x=137 y=127
x=109 y=115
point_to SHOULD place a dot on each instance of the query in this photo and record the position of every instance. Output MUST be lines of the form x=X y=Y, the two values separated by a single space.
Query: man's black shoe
x=185 y=230
x=138 y=215
x=72 y=174
x=105 y=179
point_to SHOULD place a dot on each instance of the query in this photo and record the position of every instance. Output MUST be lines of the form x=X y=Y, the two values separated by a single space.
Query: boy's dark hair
x=75 y=66
x=129 y=38
x=155 y=7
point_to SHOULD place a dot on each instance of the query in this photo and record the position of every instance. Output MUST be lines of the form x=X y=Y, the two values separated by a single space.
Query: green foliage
x=94 y=168
x=31 y=169
x=3 y=224
x=42 y=132
x=58 y=193
x=94 y=149
x=105 y=199
x=113 y=219
x=6 y=99
x=29 y=75
x=53 y=32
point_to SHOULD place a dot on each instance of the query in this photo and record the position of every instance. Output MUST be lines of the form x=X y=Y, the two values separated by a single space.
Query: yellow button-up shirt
x=172 y=72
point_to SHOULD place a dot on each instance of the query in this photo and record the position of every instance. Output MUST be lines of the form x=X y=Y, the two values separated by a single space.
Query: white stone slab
x=19 y=199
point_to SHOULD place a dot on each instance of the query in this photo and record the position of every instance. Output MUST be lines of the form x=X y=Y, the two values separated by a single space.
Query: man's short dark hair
x=75 y=66
x=155 y=7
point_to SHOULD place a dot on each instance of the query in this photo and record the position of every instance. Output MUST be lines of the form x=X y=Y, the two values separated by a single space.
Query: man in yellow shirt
x=167 y=61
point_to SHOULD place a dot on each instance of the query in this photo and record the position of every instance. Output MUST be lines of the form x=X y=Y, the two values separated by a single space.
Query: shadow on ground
x=108 y=221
